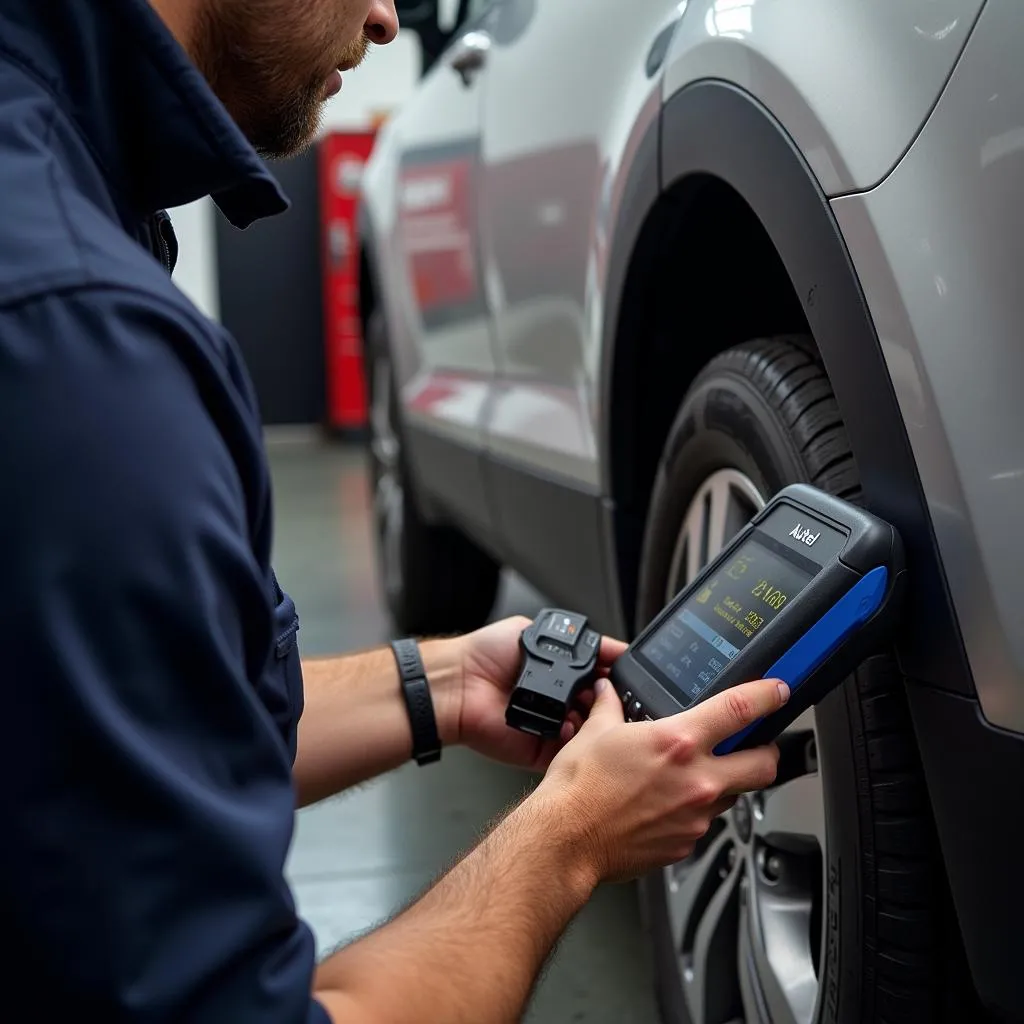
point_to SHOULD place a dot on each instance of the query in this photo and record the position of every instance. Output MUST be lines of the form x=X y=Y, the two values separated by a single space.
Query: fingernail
x=783 y=692
x=600 y=686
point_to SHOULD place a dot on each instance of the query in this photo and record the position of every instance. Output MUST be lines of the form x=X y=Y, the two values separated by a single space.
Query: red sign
x=342 y=158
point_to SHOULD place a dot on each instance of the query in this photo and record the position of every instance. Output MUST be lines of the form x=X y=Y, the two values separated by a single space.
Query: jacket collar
x=158 y=131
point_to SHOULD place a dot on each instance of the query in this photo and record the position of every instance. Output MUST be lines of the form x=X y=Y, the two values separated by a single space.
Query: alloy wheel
x=389 y=490
x=745 y=909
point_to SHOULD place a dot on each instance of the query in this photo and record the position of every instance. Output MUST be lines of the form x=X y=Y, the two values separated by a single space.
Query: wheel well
x=704 y=276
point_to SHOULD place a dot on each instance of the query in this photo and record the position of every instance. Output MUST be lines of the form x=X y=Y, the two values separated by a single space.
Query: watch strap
x=426 y=743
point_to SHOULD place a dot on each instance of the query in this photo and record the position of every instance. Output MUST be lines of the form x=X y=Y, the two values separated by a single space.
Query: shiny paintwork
x=556 y=147
x=880 y=98
x=851 y=81
x=939 y=248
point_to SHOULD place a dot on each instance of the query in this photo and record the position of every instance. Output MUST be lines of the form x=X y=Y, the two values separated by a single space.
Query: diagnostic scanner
x=804 y=593
x=807 y=590
x=559 y=659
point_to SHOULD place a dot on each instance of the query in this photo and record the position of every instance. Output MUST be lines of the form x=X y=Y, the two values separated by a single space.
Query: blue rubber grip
x=850 y=612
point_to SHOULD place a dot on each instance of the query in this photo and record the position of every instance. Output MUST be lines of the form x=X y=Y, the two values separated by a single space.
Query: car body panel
x=852 y=100
x=939 y=248
x=554 y=149
x=421 y=190
x=420 y=194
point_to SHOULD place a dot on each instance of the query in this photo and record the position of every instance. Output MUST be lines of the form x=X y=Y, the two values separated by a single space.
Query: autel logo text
x=803 y=534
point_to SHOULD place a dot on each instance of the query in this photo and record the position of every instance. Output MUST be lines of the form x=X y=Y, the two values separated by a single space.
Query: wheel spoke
x=792 y=816
x=691 y=883
x=721 y=499
x=709 y=971
x=804 y=722
x=388 y=501
x=383 y=441
x=694 y=543
x=775 y=950
x=384 y=450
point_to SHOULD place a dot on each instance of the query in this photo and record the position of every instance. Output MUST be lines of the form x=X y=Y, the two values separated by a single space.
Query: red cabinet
x=342 y=157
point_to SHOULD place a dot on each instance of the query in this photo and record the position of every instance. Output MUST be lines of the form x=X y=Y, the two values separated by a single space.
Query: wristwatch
x=426 y=743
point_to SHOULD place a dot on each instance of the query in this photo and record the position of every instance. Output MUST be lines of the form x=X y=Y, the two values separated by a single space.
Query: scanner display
x=708 y=630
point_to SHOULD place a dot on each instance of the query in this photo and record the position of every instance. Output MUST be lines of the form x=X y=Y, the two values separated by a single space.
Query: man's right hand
x=629 y=798
x=618 y=800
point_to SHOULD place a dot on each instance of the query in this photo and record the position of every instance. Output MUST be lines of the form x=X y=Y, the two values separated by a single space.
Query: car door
x=566 y=84
x=437 y=309
x=570 y=91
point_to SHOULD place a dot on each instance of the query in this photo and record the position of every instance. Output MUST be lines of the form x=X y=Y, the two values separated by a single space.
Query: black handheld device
x=804 y=593
x=559 y=659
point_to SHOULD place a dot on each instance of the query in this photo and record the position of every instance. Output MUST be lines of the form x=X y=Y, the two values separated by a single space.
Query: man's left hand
x=490 y=667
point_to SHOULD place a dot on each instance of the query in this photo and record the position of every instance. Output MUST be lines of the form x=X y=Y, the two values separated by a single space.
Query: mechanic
x=154 y=753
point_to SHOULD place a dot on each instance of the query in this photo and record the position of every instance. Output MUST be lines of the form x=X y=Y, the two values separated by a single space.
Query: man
x=154 y=752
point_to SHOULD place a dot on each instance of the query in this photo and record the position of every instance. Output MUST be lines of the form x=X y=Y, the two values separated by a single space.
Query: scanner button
x=635 y=712
x=626 y=698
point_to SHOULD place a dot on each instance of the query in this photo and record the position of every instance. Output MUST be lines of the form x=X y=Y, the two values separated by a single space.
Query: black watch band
x=426 y=744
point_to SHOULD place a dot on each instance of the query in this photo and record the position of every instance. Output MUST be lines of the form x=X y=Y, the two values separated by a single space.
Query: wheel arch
x=717 y=149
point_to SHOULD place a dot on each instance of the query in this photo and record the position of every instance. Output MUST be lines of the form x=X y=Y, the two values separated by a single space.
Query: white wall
x=377 y=88
x=196 y=272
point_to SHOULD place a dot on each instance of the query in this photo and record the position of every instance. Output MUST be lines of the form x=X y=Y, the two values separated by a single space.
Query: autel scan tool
x=804 y=593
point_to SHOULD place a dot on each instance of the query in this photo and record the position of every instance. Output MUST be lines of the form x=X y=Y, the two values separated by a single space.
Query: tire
x=764 y=412
x=434 y=579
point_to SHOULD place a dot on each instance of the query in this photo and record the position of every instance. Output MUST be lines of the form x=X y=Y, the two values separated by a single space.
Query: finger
x=606 y=712
x=749 y=770
x=610 y=650
x=585 y=701
x=724 y=805
x=728 y=712
x=575 y=719
x=569 y=729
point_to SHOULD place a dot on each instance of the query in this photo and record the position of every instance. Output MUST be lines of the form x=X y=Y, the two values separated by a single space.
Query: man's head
x=273 y=63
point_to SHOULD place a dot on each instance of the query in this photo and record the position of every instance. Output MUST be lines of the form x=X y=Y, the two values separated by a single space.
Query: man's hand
x=635 y=797
x=617 y=801
x=490 y=666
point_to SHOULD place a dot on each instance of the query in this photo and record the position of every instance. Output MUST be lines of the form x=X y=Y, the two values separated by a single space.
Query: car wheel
x=434 y=579
x=817 y=900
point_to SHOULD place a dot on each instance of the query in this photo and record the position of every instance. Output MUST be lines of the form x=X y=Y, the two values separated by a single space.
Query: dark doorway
x=271 y=298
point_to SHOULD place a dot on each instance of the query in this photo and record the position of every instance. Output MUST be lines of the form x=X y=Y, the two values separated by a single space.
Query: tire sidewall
x=725 y=423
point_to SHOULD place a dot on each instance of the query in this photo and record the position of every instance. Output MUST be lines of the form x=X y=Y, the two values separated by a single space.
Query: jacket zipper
x=164 y=248
x=165 y=253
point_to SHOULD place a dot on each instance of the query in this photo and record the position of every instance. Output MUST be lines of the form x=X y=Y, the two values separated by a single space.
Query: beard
x=270 y=61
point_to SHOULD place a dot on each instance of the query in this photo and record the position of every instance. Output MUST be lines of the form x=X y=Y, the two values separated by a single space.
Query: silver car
x=627 y=270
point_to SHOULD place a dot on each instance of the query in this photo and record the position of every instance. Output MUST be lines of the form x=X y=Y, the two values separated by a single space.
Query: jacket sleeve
x=147 y=801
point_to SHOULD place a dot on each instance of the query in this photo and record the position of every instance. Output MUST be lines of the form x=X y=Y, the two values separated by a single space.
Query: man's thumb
x=607 y=709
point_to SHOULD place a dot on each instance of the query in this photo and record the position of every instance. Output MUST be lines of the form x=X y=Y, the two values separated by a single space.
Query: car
x=628 y=270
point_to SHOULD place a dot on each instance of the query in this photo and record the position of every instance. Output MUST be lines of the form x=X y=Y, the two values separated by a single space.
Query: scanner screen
x=717 y=621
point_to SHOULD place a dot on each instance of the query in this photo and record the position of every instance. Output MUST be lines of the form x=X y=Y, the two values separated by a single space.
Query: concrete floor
x=357 y=859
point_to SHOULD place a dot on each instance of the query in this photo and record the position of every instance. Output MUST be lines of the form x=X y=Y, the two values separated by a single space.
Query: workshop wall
x=273 y=304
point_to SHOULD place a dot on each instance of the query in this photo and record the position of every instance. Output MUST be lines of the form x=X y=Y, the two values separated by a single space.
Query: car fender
x=713 y=128
x=851 y=83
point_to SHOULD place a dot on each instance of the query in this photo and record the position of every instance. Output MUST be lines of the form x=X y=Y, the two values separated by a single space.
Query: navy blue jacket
x=150 y=679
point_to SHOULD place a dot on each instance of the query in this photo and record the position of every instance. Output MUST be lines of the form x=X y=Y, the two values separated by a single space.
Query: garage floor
x=358 y=858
